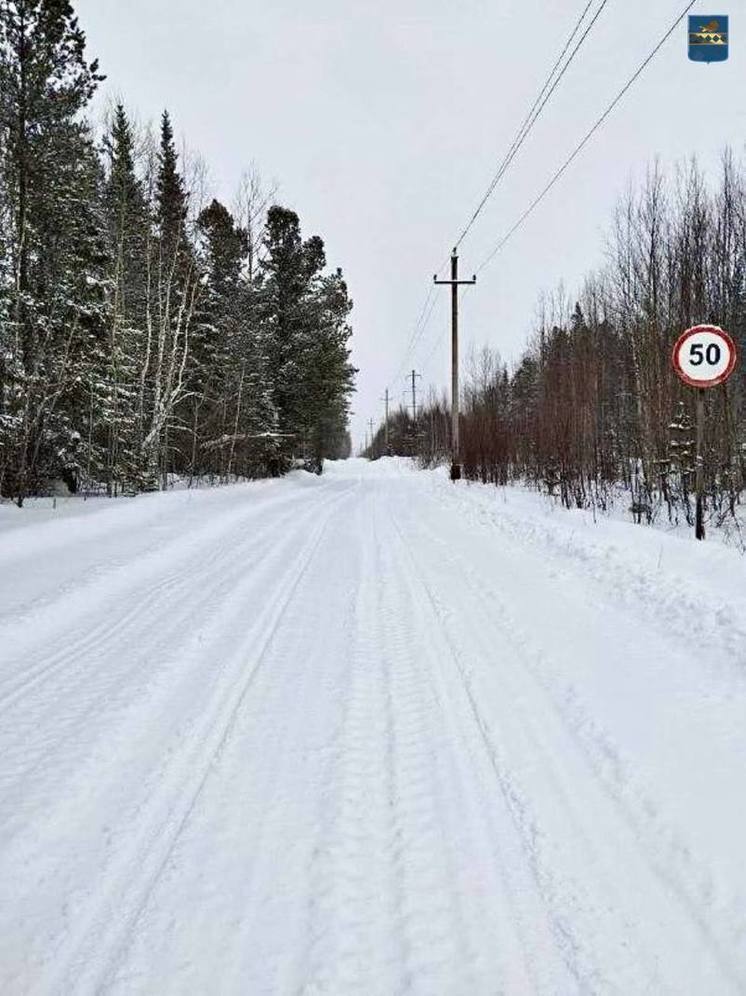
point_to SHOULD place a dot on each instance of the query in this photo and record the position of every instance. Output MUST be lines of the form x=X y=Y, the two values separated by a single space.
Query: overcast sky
x=383 y=124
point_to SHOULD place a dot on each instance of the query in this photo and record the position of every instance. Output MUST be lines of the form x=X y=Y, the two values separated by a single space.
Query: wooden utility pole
x=454 y=283
x=386 y=430
x=415 y=376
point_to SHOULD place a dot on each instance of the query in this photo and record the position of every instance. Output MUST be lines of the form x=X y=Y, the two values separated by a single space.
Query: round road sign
x=705 y=356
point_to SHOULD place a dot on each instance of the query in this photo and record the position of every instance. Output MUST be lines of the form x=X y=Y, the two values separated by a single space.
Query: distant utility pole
x=454 y=283
x=386 y=402
x=372 y=434
x=415 y=377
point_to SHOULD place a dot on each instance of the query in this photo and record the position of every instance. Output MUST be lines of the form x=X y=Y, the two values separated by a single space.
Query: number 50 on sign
x=705 y=356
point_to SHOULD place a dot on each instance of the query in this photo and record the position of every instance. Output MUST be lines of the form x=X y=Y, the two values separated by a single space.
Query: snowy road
x=368 y=734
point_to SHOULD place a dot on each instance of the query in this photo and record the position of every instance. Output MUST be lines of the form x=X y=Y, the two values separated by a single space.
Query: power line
x=550 y=85
x=579 y=148
x=539 y=103
x=428 y=300
x=427 y=309
x=442 y=333
x=417 y=332
x=541 y=100
x=439 y=338
x=422 y=322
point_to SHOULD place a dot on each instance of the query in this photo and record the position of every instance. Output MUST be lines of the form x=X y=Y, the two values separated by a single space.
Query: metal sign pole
x=700 y=515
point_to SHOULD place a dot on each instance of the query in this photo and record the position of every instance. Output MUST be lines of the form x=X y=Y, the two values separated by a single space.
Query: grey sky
x=383 y=125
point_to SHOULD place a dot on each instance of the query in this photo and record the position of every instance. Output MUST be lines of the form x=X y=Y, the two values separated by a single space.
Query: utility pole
x=386 y=402
x=372 y=434
x=415 y=375
x=454 y=283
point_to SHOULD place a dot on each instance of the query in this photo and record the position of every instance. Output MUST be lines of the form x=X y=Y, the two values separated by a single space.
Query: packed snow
x=368 y=733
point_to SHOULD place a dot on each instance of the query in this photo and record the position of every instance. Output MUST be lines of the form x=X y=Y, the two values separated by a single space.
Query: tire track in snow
x=556 y=895
x=105 y=669
x=508 y=632
x=26 y=540
x=108 y=595
x=355 y=891
x=524 y=950
x=458 y=914
x=668 y=857
x=90 y=949
x=237 y=880
x=386 y=915
x=208 y=559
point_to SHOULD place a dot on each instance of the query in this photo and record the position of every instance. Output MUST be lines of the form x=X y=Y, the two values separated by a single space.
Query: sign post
x=703 y=357
x=699 y=521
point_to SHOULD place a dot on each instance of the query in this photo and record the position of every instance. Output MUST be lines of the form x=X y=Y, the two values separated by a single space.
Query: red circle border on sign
x=716 y=380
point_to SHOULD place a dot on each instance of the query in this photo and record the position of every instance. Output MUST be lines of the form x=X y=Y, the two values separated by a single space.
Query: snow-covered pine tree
x=285 y=273
x=213 y=360
x=55 y=298
x=130 y=239
x=304 y=318
x=75 y=272
x=233 y=414
x=174 y=284
x=11 y=372
x=172 y=202
x=329 y=375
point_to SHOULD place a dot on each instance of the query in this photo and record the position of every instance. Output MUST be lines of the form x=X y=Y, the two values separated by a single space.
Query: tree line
x=594 y=407
x=146 y=331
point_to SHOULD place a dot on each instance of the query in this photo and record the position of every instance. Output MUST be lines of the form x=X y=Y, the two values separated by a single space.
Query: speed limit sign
x=705 y=356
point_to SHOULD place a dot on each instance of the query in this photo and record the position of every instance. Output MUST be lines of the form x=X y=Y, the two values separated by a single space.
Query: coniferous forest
x=593 y=409
x=146 y=330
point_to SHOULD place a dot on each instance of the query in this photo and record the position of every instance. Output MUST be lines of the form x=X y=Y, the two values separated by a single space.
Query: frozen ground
x=369 y=733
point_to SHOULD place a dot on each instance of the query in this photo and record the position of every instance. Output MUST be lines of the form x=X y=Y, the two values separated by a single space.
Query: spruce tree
x=305 y=317
x=238 y=428
x=171 y=197
x=174 y=294
x=79 y=287
x=223 y=251
x=286 y=276
x=329 y=375
x=128 y=221
x=46 y=166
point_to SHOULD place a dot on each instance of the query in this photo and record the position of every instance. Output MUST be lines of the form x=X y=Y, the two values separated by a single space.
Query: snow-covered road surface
x=370 y=733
